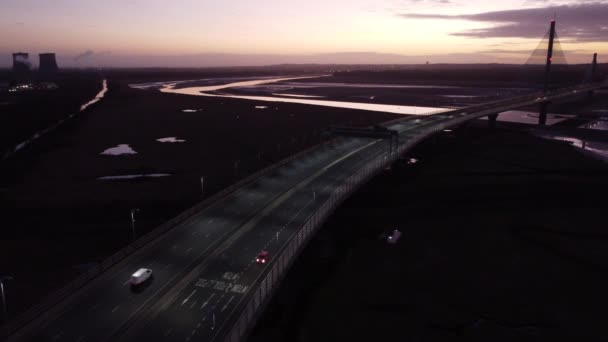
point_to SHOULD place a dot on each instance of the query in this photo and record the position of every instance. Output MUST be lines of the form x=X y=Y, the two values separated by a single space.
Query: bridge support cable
x=547 y=66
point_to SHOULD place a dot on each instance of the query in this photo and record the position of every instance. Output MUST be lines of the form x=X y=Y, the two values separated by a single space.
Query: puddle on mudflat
x=127 y=177
x=170 y=140
x=301 y=96
x=119 y=150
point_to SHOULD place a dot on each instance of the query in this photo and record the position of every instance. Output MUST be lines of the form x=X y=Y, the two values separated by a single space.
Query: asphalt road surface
x=110 y=304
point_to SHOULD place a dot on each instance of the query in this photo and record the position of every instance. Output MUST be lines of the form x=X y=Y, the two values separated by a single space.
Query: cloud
x=84 y=55
x=584 y=22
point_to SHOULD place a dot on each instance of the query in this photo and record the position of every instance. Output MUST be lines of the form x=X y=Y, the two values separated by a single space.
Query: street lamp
x=5 y=316
x=133 y=221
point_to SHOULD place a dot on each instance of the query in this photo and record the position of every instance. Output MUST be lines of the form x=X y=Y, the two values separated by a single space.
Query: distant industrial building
x=21 y=66
x=48 y=66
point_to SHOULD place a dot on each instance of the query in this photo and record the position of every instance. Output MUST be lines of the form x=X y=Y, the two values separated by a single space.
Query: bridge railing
x=56 y=299
x=252 y=305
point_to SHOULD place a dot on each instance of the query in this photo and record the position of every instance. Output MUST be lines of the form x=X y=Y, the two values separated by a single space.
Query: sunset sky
x=245 y=32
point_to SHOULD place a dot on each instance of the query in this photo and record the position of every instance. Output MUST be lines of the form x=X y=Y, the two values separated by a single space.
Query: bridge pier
x=492 y=120
x=542 y=115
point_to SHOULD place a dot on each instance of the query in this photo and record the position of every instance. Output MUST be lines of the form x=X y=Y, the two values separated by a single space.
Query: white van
x=140 y=276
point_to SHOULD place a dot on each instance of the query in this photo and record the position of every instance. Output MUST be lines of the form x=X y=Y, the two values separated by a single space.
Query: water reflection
x=119 y=150
x=600 y=124
x=518 y=116
x=599 y=149
x=98 y=97
x=170 y=140
x=126 y=177
x=300 y=96
x=170 y=87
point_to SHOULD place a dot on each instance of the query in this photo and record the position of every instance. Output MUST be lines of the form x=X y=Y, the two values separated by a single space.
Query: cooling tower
x=48 y=64
x=21 y=66
x=21 y=62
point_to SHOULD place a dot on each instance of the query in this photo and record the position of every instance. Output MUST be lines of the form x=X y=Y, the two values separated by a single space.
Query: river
x=171 y=87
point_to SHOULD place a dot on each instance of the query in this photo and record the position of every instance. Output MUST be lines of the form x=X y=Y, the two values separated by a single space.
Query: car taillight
x=263 y=261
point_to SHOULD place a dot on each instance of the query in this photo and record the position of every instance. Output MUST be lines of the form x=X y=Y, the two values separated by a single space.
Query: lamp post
x=5 y=316
x=133 y=221
x=202 y=187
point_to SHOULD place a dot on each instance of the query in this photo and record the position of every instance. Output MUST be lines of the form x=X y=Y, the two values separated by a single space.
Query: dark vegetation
x=503 y=240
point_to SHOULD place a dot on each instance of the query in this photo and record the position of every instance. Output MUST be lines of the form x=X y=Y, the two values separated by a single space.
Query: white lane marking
x=187 y=298
x=193 y=304
x=207 y=301
x=126 y=282
x=116 y=308
x=198 y=326
x=230 y=275
x=188 y=250
x=226 y=305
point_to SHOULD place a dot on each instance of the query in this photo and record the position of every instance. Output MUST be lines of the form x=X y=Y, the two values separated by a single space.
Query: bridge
x=207 y=285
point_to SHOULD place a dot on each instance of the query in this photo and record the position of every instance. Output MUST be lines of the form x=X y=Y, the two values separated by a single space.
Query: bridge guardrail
x=78 y=283
x=252 y=304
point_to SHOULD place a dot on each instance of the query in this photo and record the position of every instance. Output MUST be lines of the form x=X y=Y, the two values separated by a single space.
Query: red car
x=262 y=257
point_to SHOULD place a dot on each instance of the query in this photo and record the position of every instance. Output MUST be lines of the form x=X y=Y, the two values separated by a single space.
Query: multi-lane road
x=205 y=267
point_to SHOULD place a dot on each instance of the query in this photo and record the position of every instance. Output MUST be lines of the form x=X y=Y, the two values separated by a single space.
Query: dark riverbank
x=503 y=240
x=27 y=112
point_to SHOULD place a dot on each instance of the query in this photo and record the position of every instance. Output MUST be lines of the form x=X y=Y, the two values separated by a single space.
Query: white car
x=393 y=237
x=140 y=276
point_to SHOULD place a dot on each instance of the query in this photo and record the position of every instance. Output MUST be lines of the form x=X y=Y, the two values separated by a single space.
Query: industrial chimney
x=48 y=66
